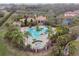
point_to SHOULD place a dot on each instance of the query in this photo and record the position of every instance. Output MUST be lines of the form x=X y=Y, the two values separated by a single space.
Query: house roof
x=41 y=18
x=70 y=14
x=22 y=20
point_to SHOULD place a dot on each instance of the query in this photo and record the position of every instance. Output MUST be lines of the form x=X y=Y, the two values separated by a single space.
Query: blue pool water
x=36 y=34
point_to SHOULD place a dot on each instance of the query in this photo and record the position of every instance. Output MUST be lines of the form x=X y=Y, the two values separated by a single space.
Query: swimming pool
x=38 y=38
x=37 y=34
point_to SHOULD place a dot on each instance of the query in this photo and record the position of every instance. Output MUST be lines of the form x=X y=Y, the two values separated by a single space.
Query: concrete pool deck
x=29 y=41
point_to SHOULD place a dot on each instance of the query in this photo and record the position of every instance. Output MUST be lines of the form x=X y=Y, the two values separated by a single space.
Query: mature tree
x=72 y=48
x=61 y=30
x=15 y=36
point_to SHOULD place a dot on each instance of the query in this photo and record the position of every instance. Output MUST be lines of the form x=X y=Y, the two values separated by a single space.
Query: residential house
x=70 y=14
x=41 y=19
x=67 y=21
x=68 y=17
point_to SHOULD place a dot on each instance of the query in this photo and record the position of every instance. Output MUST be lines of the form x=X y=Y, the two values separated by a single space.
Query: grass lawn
x=3 y=49
x=76 y=43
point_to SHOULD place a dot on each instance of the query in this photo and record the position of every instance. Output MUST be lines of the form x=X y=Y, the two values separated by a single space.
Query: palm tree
x=27 y=34
x=25 y=22
x=63 y=39
x=18 y=37
x=61 y=30
x=55 y=19
x=50 y=31
x=57 y=50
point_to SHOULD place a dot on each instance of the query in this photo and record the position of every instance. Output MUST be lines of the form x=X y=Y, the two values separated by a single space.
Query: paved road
x=5 y=18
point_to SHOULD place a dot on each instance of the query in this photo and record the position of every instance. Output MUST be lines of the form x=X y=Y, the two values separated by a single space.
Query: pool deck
x=29 y=40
